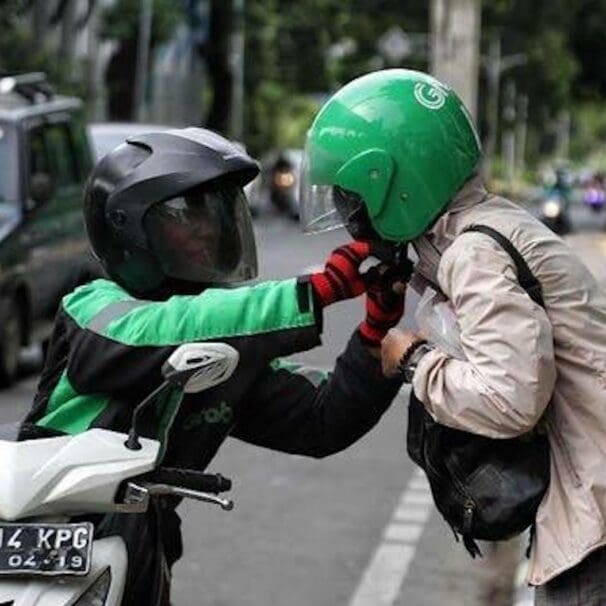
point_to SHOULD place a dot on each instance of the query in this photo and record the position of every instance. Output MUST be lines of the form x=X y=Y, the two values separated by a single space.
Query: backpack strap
x=526 y=278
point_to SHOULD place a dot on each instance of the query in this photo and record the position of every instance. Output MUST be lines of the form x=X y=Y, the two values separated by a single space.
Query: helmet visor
x=317 y=209
x=204 y=236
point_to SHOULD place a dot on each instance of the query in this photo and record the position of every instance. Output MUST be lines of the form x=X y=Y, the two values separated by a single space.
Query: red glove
x=384 y=309
x=341 y=277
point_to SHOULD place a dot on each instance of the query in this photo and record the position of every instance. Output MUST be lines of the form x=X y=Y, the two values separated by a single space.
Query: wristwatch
x=411 y=358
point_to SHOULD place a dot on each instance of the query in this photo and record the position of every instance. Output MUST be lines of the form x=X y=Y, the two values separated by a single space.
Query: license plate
x=45 y=549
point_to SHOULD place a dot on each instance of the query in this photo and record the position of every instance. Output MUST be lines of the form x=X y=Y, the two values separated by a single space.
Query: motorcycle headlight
x=96 y=594
x=552 y=209
x=284 y=179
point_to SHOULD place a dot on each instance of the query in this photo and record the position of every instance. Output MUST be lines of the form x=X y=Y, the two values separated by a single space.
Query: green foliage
x=120 y=21
x=589 y=132
x=281 y=118
x=587 y=40
x=288 y=64
x=20 y=53
x=549 y=74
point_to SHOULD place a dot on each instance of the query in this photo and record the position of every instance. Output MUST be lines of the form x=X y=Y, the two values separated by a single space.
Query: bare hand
x=393 y=346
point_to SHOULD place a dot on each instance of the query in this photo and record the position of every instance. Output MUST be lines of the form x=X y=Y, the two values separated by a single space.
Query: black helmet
x=166 y=213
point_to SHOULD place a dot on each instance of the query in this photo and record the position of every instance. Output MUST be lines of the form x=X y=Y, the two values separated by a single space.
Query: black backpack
x=487 y=489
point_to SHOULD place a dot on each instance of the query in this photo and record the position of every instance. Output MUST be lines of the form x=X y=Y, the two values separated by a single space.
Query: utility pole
x=563 y=133
x=521 y=132
x=455 y=47
x=493 y=80
x=68 y=27
x=495 y=65
x=143 y=48
x=508 y=140
x=237 y=64
x=40 y=22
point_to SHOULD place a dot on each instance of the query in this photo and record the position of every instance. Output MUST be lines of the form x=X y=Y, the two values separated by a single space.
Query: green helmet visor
x=326 y=207
x=317 y=209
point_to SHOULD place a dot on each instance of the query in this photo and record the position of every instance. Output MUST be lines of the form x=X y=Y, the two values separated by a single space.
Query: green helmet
x=397 y=140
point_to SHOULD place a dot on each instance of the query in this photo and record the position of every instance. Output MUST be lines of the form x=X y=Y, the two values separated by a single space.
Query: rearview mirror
x=195 y=367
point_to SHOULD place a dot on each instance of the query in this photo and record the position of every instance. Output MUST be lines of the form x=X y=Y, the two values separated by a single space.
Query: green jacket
x=108 y=348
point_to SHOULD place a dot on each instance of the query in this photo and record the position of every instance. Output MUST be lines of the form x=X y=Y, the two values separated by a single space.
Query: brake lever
x=137 y=495
x=187 y=493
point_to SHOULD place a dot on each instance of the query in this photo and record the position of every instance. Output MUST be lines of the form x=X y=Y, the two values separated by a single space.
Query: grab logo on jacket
x=220 y=413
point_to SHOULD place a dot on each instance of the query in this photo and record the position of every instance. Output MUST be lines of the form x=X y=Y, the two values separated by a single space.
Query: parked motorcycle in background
x=47 y=559
x=594 y=194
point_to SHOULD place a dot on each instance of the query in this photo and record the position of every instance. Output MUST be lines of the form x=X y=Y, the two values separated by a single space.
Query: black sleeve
x=293 y=411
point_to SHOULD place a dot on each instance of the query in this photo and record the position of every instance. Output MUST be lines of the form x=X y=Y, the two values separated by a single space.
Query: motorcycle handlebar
x=191 y=479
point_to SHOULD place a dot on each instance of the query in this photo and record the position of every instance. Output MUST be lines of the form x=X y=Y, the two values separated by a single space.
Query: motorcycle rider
x=168 y=220
x=396 y=153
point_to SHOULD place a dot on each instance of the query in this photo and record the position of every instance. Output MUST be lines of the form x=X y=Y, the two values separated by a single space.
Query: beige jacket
x=522 y=361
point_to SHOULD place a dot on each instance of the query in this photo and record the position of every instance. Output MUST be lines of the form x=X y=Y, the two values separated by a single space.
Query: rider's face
x=191 y=232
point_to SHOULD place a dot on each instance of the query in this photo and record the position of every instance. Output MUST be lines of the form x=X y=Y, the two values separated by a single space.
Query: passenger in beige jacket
x=397 y=156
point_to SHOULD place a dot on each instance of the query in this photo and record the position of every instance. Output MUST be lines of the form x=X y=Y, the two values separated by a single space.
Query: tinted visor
x=204 y=236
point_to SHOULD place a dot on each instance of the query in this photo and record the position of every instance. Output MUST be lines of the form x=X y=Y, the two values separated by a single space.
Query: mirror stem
x=133 y=435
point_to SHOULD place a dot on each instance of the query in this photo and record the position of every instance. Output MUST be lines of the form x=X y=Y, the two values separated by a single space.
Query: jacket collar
x=440 y=236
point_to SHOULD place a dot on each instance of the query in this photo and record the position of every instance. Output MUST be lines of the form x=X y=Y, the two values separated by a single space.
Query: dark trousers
x=153 y=543
x=583 y=585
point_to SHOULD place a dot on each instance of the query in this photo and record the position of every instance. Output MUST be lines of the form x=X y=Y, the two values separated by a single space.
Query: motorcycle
x=595 y=198
x=46 y=558
x=554 y=214
x=283 y=186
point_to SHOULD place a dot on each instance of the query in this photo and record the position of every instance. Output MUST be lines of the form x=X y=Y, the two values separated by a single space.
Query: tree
x=120 y=22
x=587 y=41
x=215 y=52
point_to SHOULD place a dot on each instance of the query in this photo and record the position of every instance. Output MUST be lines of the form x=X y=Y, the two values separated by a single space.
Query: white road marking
x=381 y=582
x=524 y=595
x=406 y=533
x=406 y=513
x=413 y=497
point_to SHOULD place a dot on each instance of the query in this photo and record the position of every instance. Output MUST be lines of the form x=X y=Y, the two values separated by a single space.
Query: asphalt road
x=356 y=529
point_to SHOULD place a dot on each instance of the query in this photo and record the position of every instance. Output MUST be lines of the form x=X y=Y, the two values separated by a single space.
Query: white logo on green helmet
x=430 y=96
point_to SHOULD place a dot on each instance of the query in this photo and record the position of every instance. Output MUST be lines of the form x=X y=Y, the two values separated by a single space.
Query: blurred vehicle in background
x=555 y=200
x=45 y=158
x=555 y=215
x=594 y=194
x=281 y=170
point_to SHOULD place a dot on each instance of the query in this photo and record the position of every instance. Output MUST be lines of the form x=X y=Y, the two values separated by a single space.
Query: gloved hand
x=341 y=277
x=384 y=306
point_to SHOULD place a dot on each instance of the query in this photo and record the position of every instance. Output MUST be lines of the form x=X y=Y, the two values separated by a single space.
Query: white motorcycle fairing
x=68 y=474
x=109 y=553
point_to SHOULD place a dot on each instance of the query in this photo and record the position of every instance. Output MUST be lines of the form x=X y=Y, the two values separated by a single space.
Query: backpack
x=486 y=489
